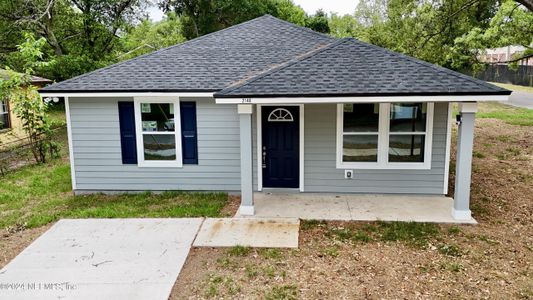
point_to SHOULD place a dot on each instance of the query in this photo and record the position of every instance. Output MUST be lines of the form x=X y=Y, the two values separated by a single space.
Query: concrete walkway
x=251 y=232
x=346 y=207
x=101 y=259
x=127 y=258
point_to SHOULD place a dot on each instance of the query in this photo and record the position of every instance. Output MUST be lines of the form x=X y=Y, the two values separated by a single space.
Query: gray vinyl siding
x=98 y=162
x=97 y=150
x=321 y=174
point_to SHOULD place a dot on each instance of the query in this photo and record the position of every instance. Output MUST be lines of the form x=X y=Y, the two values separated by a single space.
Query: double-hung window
x=4 y=115
x=157 y=123
x=384 y=135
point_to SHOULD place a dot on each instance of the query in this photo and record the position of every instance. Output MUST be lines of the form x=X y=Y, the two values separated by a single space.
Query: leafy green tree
x=286 y=10
x=149 y=36
x=511 y=25
x=423 y=29
x=27 y=104
x=200 y=17
x=81 y=35
x=318 y=22
x=344 y=26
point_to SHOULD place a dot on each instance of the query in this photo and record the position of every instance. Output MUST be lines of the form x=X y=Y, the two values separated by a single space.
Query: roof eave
x=126 y=93
x=362 y=98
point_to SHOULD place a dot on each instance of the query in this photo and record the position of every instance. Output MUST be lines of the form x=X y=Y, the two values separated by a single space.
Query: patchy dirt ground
x=14 y=240
x=341 y=260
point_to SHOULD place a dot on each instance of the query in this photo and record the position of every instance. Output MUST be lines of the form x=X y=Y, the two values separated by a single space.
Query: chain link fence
x=523 y=75
x=18 y=153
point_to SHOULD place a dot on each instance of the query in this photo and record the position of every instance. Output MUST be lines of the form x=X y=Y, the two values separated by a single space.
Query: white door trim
x=259 y=137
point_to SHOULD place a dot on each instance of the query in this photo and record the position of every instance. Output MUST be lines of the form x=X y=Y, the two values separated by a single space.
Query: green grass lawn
x=40 y=194
x=509 y=114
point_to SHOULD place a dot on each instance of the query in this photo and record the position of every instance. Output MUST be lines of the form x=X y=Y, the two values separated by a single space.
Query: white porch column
x=245 y=121
x=463 y=167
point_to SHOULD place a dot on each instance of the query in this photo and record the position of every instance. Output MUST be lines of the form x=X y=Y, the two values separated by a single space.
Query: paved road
x=521 y=99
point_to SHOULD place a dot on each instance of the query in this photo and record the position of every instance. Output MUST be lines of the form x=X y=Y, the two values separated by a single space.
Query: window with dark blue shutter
x=126 y=115
x=189 y=138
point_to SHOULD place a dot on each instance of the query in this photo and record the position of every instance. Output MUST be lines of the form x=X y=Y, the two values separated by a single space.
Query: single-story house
x=10 y=125
x=267 y=105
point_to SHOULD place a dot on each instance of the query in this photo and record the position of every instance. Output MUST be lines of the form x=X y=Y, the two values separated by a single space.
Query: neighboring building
x=503 y=55
x=10 y=125
x=268 y=104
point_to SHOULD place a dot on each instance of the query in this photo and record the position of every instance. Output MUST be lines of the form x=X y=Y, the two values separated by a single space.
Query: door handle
x=264 y=158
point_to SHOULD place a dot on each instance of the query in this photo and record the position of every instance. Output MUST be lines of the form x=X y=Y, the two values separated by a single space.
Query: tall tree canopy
x=200 y=17
x=83 y=35
x=448 y=33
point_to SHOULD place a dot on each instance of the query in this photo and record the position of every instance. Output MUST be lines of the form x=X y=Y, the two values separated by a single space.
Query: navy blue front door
x=280 y=153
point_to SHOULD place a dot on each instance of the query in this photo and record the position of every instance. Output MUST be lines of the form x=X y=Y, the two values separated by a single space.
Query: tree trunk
x=527 y=3
x=50 y=37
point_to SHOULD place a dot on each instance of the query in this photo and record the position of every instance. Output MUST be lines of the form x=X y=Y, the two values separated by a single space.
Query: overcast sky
x=341 y=7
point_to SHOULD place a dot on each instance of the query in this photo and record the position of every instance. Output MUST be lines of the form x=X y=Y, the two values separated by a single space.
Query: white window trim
x=383 y=142
x=141 y=162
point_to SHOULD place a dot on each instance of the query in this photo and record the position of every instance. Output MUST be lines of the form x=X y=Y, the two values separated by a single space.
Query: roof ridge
x=160 y=50
x=282 y=66
x=427 y=64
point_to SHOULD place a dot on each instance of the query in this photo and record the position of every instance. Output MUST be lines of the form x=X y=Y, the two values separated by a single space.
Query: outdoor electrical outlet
x=348 y=174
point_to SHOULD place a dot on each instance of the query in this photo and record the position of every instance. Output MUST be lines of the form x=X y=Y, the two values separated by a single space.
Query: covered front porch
x=355 y=207
x=389 y=192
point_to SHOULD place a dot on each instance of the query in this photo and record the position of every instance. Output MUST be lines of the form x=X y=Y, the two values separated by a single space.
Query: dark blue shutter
x=126 y=116
x=189 y=137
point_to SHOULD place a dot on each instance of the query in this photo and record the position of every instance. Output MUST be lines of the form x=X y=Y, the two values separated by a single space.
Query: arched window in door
x=280 y=115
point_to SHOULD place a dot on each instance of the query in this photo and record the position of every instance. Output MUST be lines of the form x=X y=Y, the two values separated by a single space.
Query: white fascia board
x=125 y=94
x=373 y=99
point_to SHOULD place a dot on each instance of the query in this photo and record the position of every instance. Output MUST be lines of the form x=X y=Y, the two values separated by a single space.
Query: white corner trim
x=461 y=214
x=259 y=137
x=373 y=99
x=246 y=210
x=383 y=143
x=245 y=109
x=448 y=149
x=125 y=94
x=141 y=163
x=70 y=146
x=302 y=147
x=468 y=107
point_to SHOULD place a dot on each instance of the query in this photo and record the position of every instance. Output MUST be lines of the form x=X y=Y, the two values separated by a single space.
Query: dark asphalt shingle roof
x=267 y=57
x=208 y=63
x=350 y=67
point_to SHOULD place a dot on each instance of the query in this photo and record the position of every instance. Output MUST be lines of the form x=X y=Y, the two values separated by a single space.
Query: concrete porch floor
x=346 y=207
